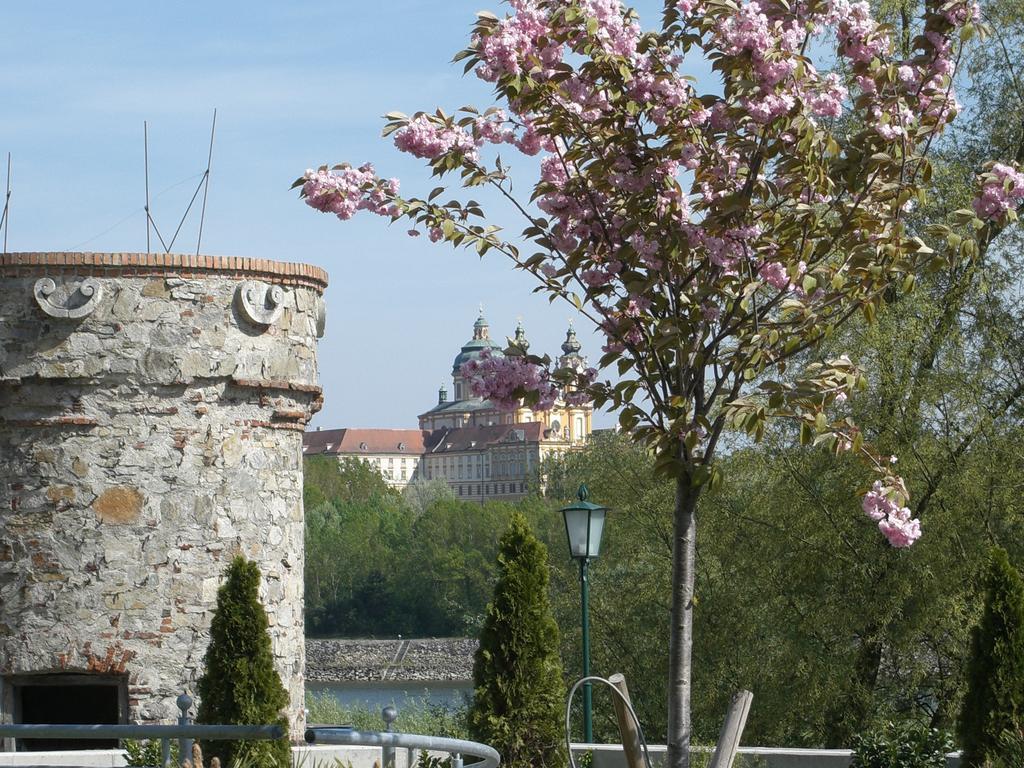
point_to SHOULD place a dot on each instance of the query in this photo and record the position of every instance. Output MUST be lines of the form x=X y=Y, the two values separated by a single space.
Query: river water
x=379 y=693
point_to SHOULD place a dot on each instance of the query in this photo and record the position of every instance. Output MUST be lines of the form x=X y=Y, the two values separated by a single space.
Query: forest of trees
x=379 y=563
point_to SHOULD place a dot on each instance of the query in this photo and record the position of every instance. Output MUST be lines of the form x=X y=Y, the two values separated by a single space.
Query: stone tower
x=151 y=418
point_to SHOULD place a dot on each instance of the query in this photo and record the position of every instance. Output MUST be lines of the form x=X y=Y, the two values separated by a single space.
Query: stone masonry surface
x=150 y=429
x=434 y=659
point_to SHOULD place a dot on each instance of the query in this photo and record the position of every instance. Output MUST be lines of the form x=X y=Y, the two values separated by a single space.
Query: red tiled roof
x=356 y=441
x=479 y=438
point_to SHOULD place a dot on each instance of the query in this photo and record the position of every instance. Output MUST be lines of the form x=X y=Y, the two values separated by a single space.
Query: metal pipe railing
x=205 y=732
x=184 y=733
x=489 y=757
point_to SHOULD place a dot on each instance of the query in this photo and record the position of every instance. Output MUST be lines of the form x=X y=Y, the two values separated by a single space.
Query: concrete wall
x=151 y=419
x=605 y=756
x=611 y=756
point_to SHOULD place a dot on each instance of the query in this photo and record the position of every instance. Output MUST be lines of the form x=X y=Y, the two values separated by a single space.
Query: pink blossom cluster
x=894 y=521
x=747 y=29
x=506 y=380
x=774 y=273
x=343 y=191
x=769 y=106
x=509 y=49
x=493 y=128
x=579 y=395
x=531 y=141
x=961 y=12
x=428 y=139
x=1002 y=188
x=686 y=7
x=860 y=38
x=827 y=99
x=647 y=250
x=616 y=34
x=666 y=91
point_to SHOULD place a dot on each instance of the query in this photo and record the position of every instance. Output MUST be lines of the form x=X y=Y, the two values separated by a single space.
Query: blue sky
x=295 y=84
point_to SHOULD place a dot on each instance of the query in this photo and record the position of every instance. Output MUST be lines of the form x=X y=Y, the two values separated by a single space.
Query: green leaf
x=806 y=433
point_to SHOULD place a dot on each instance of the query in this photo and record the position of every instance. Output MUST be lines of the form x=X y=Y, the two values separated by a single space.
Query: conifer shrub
x=517 y=673
x=240 y=685
x=994 y=702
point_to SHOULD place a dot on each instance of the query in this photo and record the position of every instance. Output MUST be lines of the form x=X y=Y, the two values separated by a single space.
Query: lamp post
x=584 y=524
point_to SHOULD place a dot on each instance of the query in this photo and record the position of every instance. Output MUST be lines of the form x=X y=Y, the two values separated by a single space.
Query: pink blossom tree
x=715 y=238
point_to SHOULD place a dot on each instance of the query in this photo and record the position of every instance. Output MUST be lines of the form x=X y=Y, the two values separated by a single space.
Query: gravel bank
x=363 y=660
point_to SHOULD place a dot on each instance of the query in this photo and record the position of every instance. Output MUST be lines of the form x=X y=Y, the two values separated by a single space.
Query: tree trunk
x=680 y=647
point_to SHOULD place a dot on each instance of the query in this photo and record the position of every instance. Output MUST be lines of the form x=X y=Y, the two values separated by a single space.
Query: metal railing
x=489 y=757
x=186 y=732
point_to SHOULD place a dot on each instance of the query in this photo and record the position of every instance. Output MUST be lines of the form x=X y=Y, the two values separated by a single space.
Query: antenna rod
x=4 y=218
x=145 y=145
x=206 y=188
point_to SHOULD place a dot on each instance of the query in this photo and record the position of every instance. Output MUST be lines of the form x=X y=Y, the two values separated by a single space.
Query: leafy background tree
x=382 y=564
x=994 y=704
x=239 y=683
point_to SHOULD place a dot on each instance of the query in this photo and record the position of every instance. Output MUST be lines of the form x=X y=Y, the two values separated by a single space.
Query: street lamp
x=584 y=524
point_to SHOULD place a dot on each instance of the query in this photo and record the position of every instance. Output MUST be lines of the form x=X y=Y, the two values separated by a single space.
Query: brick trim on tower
x=160 y=265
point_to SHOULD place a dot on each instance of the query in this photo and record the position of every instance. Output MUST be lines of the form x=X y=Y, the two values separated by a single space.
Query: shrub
x=147 y=753
x=901 y=745
x=517 y=674
x=994 y=703
x=427 y=760
x=240 y=685
x=1011 y=751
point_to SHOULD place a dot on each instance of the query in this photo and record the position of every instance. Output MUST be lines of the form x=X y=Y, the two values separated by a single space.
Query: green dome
x=481 y=340
x=471 y=351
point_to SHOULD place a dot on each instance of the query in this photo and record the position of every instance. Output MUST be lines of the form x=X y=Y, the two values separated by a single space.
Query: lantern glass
x=584 y=527
x=596 y=529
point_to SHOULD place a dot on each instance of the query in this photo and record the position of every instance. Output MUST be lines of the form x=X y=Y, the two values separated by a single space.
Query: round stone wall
x=151 y=418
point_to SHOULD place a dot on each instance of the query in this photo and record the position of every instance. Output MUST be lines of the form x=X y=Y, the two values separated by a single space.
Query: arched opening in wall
x=64 y=698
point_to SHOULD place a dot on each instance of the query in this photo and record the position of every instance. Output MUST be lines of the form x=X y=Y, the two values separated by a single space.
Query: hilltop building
x=481 y=451
x=395 y=453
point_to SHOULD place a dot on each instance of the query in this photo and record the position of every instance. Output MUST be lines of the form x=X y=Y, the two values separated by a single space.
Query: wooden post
x=732 y=729
x=627 y=728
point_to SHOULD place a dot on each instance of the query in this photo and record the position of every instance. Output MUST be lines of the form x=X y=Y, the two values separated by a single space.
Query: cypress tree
x=517 y=674
x=240 y=685
x=994 y=702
